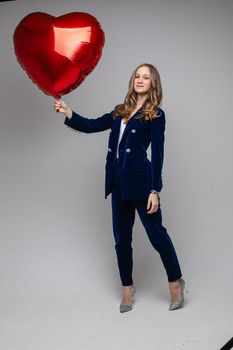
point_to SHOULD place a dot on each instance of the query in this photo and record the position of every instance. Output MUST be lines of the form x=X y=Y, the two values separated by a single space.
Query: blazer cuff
x=154 y=191
x=69 y=122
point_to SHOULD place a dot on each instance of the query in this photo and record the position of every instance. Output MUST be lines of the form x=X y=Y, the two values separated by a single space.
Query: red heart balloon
x=58 y=52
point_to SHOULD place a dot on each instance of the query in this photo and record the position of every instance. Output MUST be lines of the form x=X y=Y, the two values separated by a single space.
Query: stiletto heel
x=185 y=288
x=125 y=307
x=179 y=302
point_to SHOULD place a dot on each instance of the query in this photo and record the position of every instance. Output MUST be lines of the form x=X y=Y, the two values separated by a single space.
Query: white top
x=123 y=125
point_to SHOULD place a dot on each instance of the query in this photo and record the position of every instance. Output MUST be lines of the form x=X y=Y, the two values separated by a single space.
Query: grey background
x=60 y=286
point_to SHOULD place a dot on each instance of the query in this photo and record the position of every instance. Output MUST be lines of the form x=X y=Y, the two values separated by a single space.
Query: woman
x=132 y=179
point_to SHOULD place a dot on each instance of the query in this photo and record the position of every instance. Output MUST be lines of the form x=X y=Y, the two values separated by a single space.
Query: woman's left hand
x=152 y=203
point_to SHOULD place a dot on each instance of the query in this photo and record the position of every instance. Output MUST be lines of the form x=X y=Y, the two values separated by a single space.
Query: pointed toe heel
x=125 y=307
x=177 y=304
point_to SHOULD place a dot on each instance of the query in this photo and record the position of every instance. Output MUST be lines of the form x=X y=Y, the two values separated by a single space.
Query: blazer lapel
x=117 y=126
x=128 y=125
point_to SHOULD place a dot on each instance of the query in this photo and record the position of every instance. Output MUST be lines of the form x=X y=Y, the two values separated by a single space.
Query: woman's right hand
x=61 y=107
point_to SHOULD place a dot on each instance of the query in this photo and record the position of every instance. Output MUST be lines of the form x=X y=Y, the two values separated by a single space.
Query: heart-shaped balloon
x=58 y=52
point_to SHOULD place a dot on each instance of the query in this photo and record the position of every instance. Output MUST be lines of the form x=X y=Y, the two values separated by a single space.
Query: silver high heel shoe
x=177 y=304
x=125 y=307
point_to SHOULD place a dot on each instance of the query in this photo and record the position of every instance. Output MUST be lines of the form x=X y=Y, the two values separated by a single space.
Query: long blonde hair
x=153 y=101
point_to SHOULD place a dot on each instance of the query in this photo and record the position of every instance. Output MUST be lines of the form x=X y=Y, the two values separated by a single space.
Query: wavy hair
x=153 y=101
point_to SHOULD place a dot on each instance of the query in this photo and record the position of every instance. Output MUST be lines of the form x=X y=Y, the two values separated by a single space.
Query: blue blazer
x=138 y=175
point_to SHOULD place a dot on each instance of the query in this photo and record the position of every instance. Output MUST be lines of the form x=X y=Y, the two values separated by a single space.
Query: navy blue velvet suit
x=139 y=175
x=130 y=180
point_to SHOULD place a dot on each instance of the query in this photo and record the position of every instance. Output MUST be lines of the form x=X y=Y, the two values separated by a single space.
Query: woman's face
x=142 y=80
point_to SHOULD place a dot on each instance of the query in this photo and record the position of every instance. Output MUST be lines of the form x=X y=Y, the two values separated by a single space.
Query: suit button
x=109 y=150
x=128 y=150
x=133 y=131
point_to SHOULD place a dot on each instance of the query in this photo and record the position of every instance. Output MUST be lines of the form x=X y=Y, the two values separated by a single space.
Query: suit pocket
x=139 y=170
x=137 y=181
x=138 y=163
x=139 y=167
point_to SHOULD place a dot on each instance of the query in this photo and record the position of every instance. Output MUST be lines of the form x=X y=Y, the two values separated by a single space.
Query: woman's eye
x=137 y=77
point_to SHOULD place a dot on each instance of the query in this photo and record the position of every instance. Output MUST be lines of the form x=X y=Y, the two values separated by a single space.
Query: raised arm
x=83 y=124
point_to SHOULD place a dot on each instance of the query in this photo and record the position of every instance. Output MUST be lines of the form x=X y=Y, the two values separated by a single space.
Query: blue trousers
x=123 y=216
